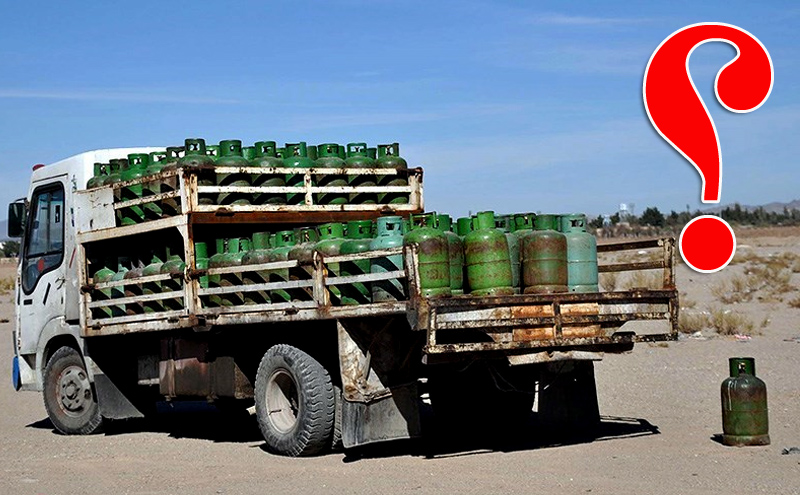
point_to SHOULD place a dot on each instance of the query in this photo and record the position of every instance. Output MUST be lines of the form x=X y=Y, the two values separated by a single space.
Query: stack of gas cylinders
x=195 y=154
x=483 y=255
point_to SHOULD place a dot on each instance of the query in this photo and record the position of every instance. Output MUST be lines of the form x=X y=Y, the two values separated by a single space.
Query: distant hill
x=774 y=207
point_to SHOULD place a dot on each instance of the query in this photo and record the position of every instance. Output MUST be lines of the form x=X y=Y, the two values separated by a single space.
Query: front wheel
x=295 y=402
x=68 y=396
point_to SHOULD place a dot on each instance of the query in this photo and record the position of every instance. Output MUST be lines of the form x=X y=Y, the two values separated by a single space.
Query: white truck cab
x=47 y=287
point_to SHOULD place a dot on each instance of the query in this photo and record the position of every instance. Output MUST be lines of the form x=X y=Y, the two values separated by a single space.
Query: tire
x=69 y=398
x=295 y=402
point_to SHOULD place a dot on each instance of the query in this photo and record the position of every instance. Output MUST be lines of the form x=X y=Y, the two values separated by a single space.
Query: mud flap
x=390 y=418
x=113 y=403
x=381 y=396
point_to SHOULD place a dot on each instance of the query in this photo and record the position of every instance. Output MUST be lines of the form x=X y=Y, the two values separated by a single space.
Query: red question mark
x=675 y=109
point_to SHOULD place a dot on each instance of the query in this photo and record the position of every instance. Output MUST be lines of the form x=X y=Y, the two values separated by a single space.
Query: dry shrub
x=794 y=303
x=772 y=277
x=687 y=303
x=736 y=289
x=6 y=285
x=608 y=281
x=644 y=280
x=745 y=256
x=692 y=322
x=727 y=322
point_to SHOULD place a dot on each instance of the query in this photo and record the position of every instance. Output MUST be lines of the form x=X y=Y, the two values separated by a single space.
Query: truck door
x=40 y=295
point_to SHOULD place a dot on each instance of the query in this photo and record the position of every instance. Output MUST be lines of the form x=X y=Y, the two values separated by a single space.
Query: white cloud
x=575 y=20
x=105 y=95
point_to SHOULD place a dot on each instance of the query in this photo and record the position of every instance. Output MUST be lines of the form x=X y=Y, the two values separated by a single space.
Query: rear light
x=38 y=166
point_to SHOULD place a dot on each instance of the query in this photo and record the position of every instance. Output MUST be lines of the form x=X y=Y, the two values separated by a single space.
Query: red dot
x=707 y=244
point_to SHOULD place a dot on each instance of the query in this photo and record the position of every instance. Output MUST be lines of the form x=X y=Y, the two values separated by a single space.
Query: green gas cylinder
x=133 y=288
x=170 y=206
x=153 y=211
x=389 y=235
x=544 y=257
x=487 y=258
x=372 y=153
x=101 y=275
x=357 y=158
x=258 y=254
x=115 y=170
x=212 y=150
x=100 y=171
x=284 y=240
x=119 y=291
x=312 y=152
x=463 y=226
x=359 y=238
x=433 y=255
x=230 y=155
x=197 y=159
x=249 y=153
x=153 y=287
x=303 y=252
x=235 y=250
x=136 y=169
x=455 y=250
x=581 y=254
x=505 y=224
x=745 y=417
x=296 y=157
x=328 y=157
x=331 y=237
x=201 y=263
x=280 y=153
x=214 y=261
x=521 y=225
x=266 y=158
x=389 y=157
x=175 y=267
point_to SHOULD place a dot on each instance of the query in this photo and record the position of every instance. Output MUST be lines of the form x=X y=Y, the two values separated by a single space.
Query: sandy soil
x=660 y=407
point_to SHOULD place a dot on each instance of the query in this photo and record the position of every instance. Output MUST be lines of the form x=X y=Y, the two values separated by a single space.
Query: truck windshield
x=44 y=243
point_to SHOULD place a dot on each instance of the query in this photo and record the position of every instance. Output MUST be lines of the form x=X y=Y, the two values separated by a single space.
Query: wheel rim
x=74 y=391
x=282 y=400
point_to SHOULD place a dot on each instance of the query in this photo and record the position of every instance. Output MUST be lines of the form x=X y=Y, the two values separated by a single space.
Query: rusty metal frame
x=308 y=212
x=320 y=308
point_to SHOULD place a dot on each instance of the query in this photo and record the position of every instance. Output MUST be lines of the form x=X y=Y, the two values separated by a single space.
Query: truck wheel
x=68 y=396
x=295 y=403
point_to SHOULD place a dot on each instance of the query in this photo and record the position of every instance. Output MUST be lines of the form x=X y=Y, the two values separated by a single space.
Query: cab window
x=44 y=238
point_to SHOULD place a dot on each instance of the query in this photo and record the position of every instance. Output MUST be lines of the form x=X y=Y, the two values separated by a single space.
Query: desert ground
x=660 y=406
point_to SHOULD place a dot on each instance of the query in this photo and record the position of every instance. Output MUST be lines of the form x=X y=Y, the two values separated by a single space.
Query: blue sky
x=511 y=106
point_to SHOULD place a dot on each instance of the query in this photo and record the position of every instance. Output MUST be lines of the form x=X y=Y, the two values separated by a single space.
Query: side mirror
x=16 y=219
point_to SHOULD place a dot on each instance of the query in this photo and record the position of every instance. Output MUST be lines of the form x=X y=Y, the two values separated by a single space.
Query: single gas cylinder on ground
x=745 y=417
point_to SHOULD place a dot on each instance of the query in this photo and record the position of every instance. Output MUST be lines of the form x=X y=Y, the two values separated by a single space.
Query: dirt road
x=660 y=407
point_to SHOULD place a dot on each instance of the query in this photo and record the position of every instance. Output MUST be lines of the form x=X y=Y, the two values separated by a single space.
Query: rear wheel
x=295 y=402
x=68 y=396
